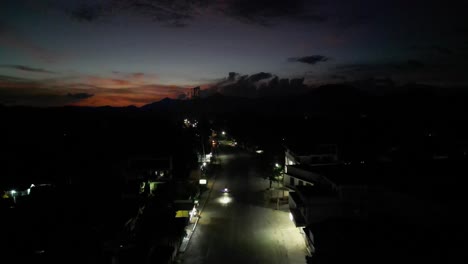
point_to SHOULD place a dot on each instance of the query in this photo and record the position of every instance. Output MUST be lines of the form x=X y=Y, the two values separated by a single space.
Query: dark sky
x=133 y=52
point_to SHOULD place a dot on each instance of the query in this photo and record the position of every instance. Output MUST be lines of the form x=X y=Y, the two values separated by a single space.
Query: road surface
x=242 y=227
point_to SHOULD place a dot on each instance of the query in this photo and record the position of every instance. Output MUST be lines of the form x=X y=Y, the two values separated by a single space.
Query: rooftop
x=308 y=191
x=342 y=174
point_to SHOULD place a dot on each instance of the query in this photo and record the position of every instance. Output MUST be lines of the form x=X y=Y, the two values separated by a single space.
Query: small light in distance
x=204 y=164
x=259 y=151
x=202 y=181
x=12 y=191
x=277 y=165
x=224 y=133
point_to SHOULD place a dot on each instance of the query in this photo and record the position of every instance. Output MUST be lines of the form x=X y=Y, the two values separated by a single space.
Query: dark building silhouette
x=195 y=93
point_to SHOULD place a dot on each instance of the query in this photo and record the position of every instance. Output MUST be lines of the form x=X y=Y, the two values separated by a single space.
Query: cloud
x=87 y=12
x=404 y=71
x=259 y=76
x=179 y=13
x=314 y=59
x=83 y=91
x=103 y=82
x=80 y=95
x=137 y=96
x=255 y=85
x=138 y=74
x=338 y=77
x=23 y=91
x=263 y=11
x=172 y=13
x=26 y=68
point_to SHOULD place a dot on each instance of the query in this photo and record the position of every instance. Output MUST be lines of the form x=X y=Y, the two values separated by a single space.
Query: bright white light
x=225 y=200
x=204 y=163
x=224 y=133
x=259 y=151
x=277 y=165
x=291 y=217
x=202 y=181
x=28 y=190
x=32 y=185
x=12 y=191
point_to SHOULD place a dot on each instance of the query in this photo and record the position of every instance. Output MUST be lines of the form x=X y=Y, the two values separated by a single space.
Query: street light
x=277 y=165
x=224 y=133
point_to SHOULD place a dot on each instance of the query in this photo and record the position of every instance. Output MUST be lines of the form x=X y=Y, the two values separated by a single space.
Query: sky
x=134 y=52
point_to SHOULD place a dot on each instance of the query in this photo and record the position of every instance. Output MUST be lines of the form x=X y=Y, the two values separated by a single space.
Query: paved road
x=247 y=229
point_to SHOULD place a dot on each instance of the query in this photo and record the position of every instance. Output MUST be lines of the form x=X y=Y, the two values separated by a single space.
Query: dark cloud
x=87 y=12
x=263 y=11
x=338 y=77
x=179 y=13
x=406 y=71
x=233 y=76
x=38 y=98
x=256 y=85
x=314 y=59
x=172 y=13
x=80 y=96
x=259 y=76
x=26 y=68
x=407 y=66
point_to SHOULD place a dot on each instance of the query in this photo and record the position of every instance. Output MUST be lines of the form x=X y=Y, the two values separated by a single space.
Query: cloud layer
x=26 y=68
x=179 y=13
x=129 y=89
x=314 y=59
x=256 y=85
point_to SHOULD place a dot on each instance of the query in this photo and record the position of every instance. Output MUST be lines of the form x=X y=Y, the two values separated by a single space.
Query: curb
x=183 y=249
